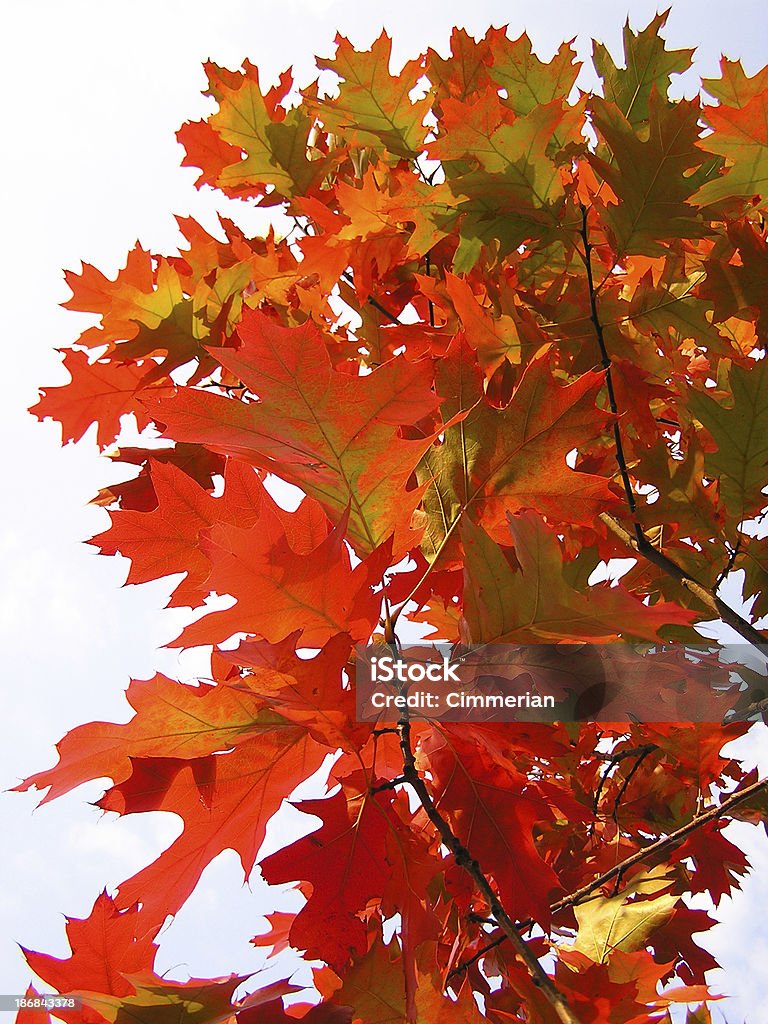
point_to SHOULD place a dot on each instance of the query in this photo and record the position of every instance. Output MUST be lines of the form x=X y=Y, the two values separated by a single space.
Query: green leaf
x=652 y=178
x=734 y=88
x=373 y=108
x=740 y=431
x=531 y=601
x=530 y=82
x=617 y=923
x=647 y=64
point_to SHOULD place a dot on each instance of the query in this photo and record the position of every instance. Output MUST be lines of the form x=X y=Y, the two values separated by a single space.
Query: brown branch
x=756 y=708
x=428 y=268
x=460 y=968
x=733 y=555
x=659 y=846
x=711 y=601
x=464 y=859
x=640 y=542
x=606 y=364
x=390 y=784
x=613 y=759
x=347 y=277
x=645 y=751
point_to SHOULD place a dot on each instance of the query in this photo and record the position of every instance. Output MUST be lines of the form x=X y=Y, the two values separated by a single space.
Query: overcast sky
x=94 y=92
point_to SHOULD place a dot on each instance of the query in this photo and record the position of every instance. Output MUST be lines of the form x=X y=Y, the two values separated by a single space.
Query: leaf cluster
x=517 y=331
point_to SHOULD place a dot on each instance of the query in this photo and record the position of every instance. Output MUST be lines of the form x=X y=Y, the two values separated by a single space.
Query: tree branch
x=606 y=364
x=347 y=277
x=640 y=542
x=645 y=751
x=715 y=604
x=460 y=968
x=465 y=860
x=613 y=759
x=659 y=846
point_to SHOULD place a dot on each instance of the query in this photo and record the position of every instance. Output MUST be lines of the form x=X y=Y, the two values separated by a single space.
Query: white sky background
x=94 y=92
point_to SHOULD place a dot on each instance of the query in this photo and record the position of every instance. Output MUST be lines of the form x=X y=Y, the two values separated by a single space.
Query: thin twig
x=460 y=968
x=648 y=749
x=390 y=784
x=715 y=604
x=428 y=268
x=613 y=759
x=346 y=276
x=734 y=551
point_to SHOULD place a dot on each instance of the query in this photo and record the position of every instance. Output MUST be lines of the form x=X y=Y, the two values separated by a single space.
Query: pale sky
x=94 y=92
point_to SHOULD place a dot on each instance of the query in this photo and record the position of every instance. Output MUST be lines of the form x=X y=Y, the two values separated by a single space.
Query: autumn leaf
x=739 y=430
x=316 y=427
x=100 y=392
x=648 y=66
x=279 y=590
x=653 y=179
x=616 y=922
x=511 y=458
x=225 y=801
x=106 y=946
x=345 y=860
x=529 y=82
x=166 y=540
x=504 y=601
x=308 y=691
x=171 y=720
x=266 y=148
x=372 y=106
x=734 y=88
x=741 y=136
x=156 y=1000
x=493 y=815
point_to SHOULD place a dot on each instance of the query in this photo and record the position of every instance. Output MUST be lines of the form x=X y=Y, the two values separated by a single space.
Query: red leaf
x=106 y=946
x=345 y=860
x=329 y=433
x=100 y=392
x=225 y=800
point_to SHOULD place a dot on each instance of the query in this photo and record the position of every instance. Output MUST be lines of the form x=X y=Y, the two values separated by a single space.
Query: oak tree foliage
x=515 y=331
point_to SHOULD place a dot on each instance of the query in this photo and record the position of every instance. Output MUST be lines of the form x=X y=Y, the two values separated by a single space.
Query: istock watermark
x=388 y=668
x=560 y=682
